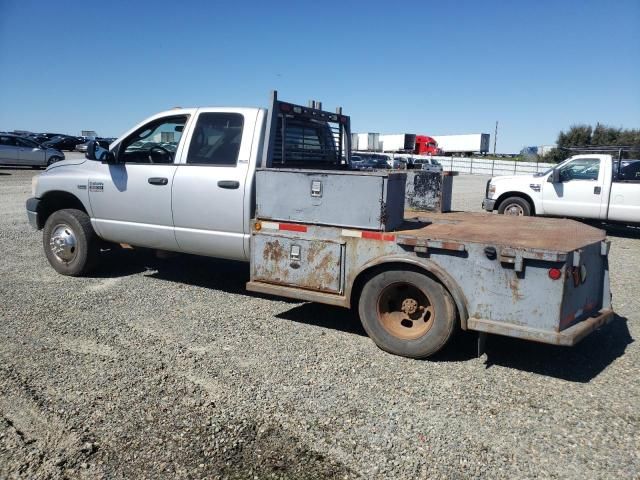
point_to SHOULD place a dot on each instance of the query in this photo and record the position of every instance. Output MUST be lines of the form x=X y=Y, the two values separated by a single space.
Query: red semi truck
x=426 y=145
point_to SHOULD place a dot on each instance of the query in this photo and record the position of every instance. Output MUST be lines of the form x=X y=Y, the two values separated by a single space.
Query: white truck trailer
x=369 y=142
x=463 y=144
x=398 y=142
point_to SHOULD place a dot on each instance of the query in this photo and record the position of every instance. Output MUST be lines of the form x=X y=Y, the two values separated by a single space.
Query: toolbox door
x=311 y=264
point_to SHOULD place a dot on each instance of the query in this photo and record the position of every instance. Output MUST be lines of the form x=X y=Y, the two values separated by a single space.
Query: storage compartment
x=429 y=191
x=366 y=200
x=311 y=264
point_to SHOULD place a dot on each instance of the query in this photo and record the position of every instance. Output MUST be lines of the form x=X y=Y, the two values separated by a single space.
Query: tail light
x=555 y=273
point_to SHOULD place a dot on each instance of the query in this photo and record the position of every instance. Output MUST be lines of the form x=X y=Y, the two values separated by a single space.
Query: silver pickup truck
x=274 y=187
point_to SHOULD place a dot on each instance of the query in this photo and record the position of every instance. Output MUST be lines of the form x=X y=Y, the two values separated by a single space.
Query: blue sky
x=423 y=67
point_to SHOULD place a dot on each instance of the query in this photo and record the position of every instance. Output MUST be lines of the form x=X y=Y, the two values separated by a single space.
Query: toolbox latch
x=316 y=188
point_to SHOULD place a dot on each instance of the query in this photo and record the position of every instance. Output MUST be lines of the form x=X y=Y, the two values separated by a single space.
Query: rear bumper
x=567 y=337
x=488 y=204
x=32 y=213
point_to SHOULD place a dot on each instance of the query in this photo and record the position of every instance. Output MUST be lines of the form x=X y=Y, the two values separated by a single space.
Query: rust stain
x=514 y=285
x=273 y=251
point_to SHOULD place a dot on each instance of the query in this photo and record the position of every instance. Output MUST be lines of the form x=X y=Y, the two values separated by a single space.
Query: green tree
x=585 y=135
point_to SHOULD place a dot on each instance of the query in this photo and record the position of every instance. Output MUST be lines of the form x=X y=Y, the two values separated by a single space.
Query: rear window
x=629 y=171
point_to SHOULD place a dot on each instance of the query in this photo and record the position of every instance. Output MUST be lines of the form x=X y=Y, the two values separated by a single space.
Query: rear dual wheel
x=407 y=313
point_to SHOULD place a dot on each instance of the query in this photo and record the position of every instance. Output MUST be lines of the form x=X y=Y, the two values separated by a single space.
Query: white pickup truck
x=590 y=186
x=275 y=188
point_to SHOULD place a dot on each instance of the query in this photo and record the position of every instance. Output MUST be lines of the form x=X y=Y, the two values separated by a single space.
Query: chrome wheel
x=514 y=209
x=63 y=243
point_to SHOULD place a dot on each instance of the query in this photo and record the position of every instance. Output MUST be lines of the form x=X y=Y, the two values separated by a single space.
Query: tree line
x=588 y=136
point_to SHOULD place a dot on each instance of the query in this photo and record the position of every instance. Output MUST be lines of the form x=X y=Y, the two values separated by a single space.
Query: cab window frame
x=119 y=150
x=187 y=150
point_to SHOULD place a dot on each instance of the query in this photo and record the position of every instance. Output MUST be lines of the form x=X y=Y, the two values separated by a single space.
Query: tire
x=407 y=313
x=53 y=160
x=515 y=206
x=70 y=243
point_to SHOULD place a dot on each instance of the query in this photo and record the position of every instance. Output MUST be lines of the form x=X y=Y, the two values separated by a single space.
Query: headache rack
x=306 y=137
x=621 y=150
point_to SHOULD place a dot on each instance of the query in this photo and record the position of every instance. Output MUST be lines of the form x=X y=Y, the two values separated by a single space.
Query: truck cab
x=592 y=186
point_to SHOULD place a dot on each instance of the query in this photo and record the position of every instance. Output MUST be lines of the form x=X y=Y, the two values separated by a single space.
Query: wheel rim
x=514 y=209
x=405 y=311
x=63 y=243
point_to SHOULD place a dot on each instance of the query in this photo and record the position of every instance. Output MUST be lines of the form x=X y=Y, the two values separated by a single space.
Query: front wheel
x=515 y=206
x=70 y=243
x=53 y=160
x=407 y=313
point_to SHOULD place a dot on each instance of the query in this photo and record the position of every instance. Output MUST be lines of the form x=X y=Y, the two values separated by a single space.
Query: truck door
x=211 y=190
x=579 y=193
x=624 y=203
x=131 y=200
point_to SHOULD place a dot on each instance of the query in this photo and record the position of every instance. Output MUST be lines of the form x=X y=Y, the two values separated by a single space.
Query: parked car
x=370 y=162
x=39 y=138
x=16 y=150
x=63 y=142
x=427 y=163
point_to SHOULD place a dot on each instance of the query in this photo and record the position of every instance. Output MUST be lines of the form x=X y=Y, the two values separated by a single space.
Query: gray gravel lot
x=168 y=368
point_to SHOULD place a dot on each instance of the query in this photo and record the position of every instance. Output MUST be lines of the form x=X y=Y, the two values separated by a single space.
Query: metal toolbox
x=296 y=262
x=429 y=191
x=366 y=200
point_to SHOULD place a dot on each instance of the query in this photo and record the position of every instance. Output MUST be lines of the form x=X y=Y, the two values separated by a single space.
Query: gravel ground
x=169 y=369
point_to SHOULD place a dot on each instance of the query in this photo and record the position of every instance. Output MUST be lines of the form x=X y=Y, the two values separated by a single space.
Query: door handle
x=597 y=190
x=230 y=184
x=158 y=181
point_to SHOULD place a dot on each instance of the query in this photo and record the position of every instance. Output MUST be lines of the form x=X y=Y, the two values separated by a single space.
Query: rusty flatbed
x=553 y=234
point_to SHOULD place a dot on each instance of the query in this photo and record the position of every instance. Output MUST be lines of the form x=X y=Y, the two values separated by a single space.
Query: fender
x=428 y=266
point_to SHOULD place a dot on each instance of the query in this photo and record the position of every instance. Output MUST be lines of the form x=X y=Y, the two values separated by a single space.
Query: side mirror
x=555 y=176
x=91 y=150
x=96 y=152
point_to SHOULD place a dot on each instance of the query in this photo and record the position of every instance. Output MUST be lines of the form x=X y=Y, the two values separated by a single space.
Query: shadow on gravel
x=622 y=232
x=217 y=274
x=326 y=316
x=580 y=363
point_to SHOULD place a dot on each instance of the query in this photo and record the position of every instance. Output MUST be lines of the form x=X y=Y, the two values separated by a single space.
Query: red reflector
x=285 y=107
x=378 y=236
x=372 y=235
x=292 y=227
x=555 y=273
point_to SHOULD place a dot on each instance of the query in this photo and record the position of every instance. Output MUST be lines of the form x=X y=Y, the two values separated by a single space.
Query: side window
x=23 y=142
x=8 y=141
x=581 y=169
x=629 y=171
x=216 y=139
x=155 y=142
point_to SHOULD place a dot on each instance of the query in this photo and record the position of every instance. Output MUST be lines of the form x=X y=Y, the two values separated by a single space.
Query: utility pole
x=495 y=138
